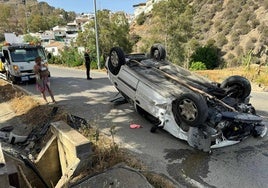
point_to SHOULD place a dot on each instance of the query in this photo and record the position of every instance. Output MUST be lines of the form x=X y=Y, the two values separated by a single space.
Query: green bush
x=94 y=63
x=207 y=55
x=52 y=59
x=71 y=57
x=197 y=66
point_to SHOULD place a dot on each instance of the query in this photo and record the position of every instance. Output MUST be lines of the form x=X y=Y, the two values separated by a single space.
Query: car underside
x=190 y=107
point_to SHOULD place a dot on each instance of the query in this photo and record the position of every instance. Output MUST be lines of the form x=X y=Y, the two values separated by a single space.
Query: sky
x=87 y=6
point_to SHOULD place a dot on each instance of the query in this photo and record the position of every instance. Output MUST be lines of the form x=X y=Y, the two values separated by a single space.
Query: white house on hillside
x=144 y=7
x=46 y=36
x=82 y=19
x=138 y=9
x=59 y=32
x=54 y=47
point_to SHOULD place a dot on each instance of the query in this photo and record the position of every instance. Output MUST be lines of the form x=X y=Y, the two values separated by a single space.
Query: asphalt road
x=242 y=165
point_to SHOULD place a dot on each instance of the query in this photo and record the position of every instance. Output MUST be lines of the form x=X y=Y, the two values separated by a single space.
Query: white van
x=19 y=60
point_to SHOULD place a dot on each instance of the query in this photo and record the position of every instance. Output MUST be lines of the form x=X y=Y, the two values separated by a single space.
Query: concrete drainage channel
x=63 y=155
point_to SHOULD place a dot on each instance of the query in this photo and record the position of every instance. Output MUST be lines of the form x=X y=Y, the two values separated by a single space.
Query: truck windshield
x=26 y=54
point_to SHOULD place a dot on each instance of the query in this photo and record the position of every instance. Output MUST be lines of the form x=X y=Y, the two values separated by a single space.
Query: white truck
x=18 y=60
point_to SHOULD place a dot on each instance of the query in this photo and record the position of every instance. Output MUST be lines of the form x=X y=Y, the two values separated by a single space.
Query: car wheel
x=116 y=60
x=237 y=87
x=158 y=52
x=190 y=109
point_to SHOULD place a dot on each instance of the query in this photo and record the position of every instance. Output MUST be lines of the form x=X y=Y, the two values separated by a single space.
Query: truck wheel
x=190 y=109
x=116 y=60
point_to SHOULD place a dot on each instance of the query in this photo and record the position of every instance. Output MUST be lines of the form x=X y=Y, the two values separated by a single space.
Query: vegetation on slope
x=15 y=16
x=204 y=34
x=234 y=28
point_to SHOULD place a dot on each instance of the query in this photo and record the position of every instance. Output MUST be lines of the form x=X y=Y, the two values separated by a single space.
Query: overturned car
x=190 y=107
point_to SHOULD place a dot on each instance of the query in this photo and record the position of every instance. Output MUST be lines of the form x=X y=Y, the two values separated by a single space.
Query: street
x=242 y=165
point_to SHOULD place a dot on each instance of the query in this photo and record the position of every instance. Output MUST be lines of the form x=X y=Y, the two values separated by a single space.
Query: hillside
x=15 y=16
x=236 y=27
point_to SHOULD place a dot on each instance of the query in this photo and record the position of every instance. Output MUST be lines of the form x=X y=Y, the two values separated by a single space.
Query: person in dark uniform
x=87 y=63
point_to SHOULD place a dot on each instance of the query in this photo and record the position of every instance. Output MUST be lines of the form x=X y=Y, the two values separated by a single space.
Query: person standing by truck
x=42 y=81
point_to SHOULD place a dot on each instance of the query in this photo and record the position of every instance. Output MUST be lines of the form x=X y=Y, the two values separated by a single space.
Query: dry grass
x=255 y=74
x=107 y=153
x=8 y=92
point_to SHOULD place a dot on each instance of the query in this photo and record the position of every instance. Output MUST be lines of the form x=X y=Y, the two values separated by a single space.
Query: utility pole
x=26 y=15
x=97 y=36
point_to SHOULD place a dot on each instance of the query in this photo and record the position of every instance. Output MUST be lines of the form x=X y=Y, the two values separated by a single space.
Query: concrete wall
x=74 y=150
x=3 y=170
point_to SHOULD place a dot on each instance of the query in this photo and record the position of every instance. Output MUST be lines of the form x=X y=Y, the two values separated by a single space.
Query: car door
x=149 y=99
x=127 y=82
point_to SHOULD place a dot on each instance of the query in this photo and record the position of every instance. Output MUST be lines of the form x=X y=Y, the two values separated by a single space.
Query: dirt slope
x=29 y=110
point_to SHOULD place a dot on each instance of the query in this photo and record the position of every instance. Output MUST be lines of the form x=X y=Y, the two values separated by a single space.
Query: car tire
x=239 y=87
x=158 y=52
x=190 y=109
x=116 y=60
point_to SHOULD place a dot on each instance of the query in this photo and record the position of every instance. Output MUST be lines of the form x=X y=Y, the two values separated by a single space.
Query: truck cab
x=18 y=60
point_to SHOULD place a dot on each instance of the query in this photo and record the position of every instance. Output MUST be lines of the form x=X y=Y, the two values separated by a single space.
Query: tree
x=113 y=31
x=172 y=26
x=30 y=38
x=207 y=55
x=5 y=14
x=38 y=23
x=70 y=57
